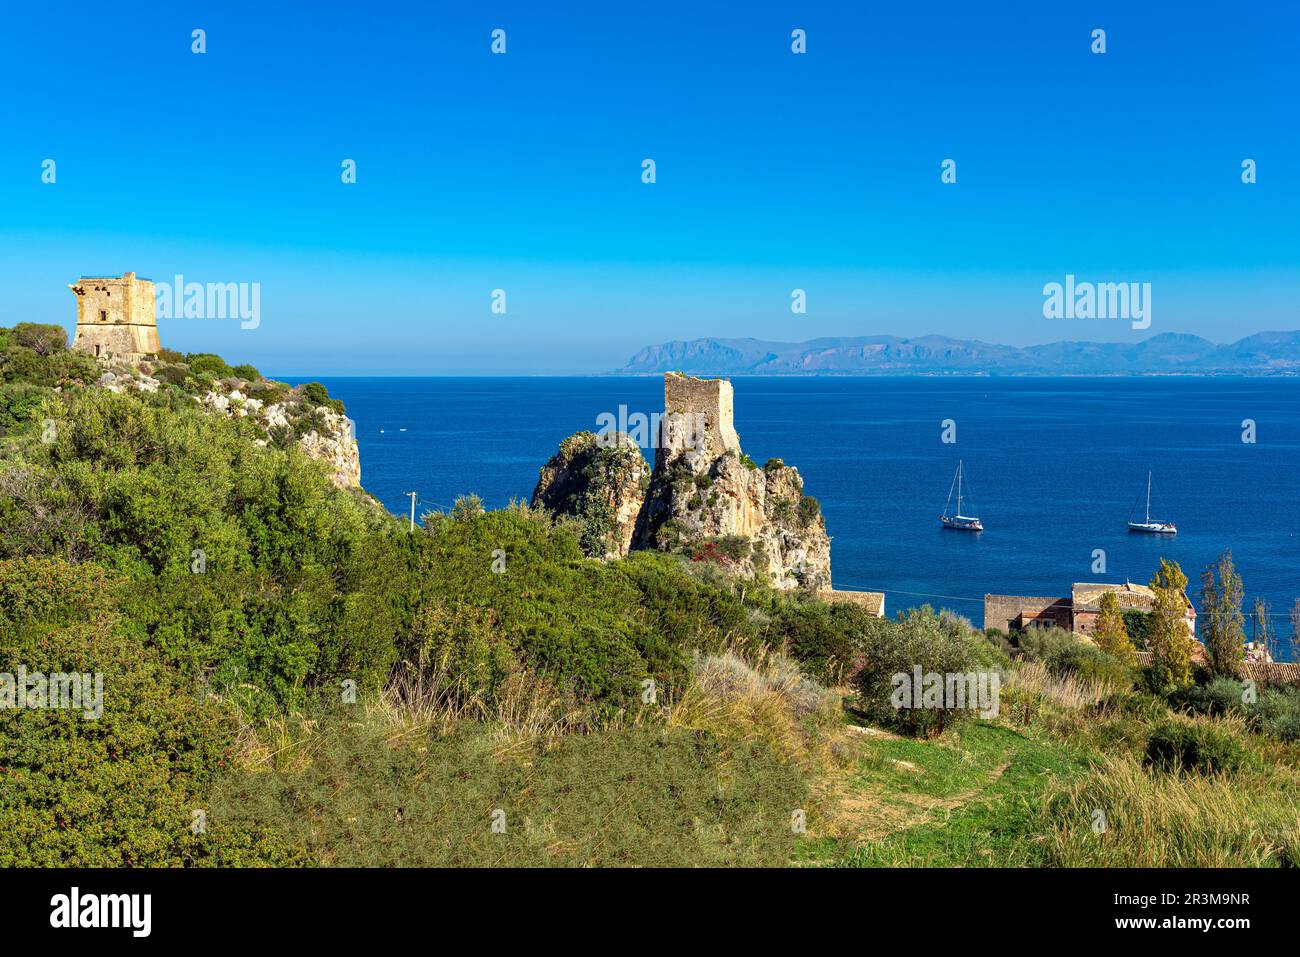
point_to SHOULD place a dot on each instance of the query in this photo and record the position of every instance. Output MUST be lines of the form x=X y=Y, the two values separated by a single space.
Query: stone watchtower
x=698 y=415
x=115 y=317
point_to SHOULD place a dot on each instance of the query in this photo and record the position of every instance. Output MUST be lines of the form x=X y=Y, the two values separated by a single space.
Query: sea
x=1054 y=467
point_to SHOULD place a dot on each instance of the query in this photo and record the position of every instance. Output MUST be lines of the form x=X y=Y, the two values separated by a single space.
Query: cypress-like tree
x=1224 y=624
x=1264 y=633
x=1112 y=637
x=1171 y=646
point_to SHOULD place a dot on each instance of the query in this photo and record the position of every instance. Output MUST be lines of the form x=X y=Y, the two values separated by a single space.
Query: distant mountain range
x=1170 y=353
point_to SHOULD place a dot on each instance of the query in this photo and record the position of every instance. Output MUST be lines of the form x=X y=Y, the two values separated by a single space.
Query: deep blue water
x=1054 y=467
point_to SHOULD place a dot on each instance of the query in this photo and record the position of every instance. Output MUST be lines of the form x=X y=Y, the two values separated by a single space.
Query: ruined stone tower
x=115 y=317
x=695 y=406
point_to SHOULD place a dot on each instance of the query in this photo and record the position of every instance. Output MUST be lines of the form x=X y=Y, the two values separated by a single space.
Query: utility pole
x=412 y=494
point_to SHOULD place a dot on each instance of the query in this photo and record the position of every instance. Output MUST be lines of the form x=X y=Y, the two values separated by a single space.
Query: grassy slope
x=968 y=799
x=989 y=794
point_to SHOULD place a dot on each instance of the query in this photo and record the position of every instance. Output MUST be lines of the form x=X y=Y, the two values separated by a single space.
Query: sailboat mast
x=1148 y=498
x=959 y=486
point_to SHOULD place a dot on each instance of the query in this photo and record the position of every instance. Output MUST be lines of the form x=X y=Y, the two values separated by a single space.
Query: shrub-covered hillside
x=291 y=676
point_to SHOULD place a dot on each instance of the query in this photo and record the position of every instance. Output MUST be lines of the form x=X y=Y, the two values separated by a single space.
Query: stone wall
x=1009 y=612
x=873 y=602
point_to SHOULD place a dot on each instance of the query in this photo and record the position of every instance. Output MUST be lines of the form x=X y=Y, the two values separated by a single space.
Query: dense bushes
x=43 y=366
x=822 y=638
x=119 y=788
x=1275 y=711
x=1138 y=625
x=42 y=338
x=209 y=366
x=317 y=394
x=1063 y=653
x=603 y=629
x=237 y=558
x=1201 y=746
x=1278 y=713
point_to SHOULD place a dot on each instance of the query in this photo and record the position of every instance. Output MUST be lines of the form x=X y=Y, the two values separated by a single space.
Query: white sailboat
x=964 y=523
x=1156 y=527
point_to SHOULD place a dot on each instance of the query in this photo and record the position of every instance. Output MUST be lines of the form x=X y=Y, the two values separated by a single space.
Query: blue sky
x=523 y=172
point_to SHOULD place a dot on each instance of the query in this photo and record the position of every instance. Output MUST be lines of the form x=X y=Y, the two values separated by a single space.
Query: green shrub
x=989 y=651
x=247 y=372
x=41 y=338
x=1277 y=712
x=208 y=366
x=317 y=394
x=118 y=789
x=1221 y=695
x=466 y=507
x=57 y=368
x=18 y=404
x=1063 y=653
x=1195 y=746
x=920 y=638
x=172 y=374
x=1138 y=625
x=819 y=637
x=463 y=645
x=303 y=583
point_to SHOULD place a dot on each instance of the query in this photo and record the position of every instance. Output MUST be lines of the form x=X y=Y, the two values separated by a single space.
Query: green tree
x=42 y=338
x=1171 y=646
x=1112 y=637
x=466 y=507
x=1137 y=623
x=1221 y=608
x=1265 y=636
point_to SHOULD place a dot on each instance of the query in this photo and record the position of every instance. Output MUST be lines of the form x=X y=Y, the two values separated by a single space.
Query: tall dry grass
x=1070 y=691
x=422 y=702
x=762 y=695
x=1157 y=819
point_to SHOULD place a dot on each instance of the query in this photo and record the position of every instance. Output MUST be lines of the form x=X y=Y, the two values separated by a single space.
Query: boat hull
x=1153 y=528
x=961 y=523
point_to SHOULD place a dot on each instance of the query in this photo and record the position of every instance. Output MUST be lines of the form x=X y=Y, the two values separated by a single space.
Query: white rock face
x=338 y=450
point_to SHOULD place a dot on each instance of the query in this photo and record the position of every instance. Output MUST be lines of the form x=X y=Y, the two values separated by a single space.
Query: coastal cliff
x=704 y=498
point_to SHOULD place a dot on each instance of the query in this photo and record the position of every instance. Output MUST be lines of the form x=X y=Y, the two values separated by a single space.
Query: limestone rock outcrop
x=324 y=434
x=285 y=419
x=705 y=497
x=601 y=481
x=336 y=446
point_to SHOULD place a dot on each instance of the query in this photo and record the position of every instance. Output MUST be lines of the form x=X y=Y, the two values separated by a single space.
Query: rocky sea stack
x=704 y=498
